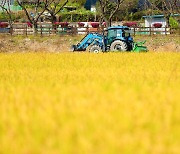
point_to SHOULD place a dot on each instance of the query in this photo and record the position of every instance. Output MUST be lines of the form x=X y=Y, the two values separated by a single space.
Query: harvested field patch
x=63 y=43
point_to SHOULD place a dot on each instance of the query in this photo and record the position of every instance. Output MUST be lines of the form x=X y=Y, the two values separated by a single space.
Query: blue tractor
x=116 y=38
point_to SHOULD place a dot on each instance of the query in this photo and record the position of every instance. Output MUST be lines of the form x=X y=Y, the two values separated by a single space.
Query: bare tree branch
x=106 y=12
x=8 y=11
x=39 y=8
x=54 y=8
x=166 y=7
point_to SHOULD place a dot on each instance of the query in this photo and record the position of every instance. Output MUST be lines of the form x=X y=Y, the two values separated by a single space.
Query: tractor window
x=126 y=33
x=112 y=33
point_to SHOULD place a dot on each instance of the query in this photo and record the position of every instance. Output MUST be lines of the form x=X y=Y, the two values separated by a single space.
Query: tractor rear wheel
x=95 y=49
x=118 y=46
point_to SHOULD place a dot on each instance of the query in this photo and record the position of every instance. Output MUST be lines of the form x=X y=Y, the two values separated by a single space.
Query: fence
x=155 y=31
x=48 y=29
x=22 y=29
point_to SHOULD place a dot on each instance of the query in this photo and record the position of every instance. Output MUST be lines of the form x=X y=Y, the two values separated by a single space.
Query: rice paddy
x=77 y=103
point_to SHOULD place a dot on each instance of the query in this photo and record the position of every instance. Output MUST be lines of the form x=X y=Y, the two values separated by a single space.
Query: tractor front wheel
x=72 y=48
x=95 y=49
x=118 y=46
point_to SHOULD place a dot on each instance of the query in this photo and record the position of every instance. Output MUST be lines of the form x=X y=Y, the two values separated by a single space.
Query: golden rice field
x=79 y=103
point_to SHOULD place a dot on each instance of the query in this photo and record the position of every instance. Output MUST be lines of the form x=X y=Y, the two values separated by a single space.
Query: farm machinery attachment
x=114 y=39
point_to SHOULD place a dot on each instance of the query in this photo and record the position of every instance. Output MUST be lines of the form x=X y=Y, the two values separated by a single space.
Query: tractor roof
x=118 y=27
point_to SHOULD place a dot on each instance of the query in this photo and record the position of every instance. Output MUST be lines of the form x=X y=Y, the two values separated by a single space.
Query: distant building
x=150 y=20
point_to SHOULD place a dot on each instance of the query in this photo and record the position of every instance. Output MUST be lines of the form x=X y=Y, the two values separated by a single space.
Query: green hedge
x=15 y=16
x=4 y=16
x=173 y=23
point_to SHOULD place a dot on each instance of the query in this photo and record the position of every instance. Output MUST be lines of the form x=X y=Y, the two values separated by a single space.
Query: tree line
x=107 y=9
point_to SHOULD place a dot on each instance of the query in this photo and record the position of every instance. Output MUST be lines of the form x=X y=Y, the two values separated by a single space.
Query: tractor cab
x=121 y=33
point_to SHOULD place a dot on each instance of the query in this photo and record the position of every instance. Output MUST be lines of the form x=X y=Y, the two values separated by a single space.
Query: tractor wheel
x=72 y=48
x=95 y=49
x=118 y=46
x=89 y=47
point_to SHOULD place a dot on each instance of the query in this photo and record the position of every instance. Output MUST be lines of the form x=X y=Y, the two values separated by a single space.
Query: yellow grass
x=78 y=103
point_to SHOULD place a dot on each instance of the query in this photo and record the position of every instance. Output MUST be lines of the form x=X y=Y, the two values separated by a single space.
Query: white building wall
x=150 y=21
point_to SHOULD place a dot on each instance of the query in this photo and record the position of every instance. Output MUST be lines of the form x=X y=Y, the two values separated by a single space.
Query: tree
x=5 y=6
x=127 y=9
x=79 y=2
x=54 y=8
x=166 y=7
x=38 y=8
x=108 y=9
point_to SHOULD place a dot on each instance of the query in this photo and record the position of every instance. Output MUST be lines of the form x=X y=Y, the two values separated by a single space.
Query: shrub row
x=3 y=24
x=135 y=24
x=130 y=24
